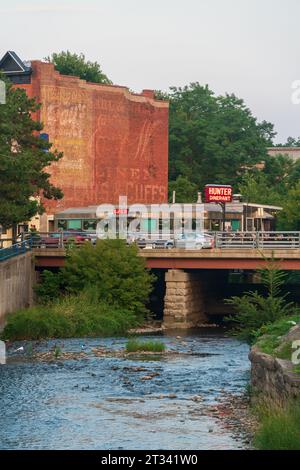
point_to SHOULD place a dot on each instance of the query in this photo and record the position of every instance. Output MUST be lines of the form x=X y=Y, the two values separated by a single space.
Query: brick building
x=115 y=142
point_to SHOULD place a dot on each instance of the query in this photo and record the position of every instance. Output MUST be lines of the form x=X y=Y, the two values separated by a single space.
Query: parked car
x=194 y=241
x=143 y=241
x=53 y=240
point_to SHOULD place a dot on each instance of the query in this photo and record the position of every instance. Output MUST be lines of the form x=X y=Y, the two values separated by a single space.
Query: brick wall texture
x=115 y=142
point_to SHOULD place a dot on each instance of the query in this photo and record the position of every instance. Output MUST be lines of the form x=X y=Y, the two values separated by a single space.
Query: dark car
x=59 y=239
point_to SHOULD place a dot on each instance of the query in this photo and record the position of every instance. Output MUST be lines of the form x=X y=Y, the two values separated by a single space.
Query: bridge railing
x=257 y=240
x=223 y=240
x=278 y=240
x=15 y=249
x=235 y=240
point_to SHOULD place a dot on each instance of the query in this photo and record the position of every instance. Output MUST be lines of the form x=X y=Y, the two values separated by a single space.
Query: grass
x=68 y=317
x=268 y=337
x=280 y=427
x=134 y=345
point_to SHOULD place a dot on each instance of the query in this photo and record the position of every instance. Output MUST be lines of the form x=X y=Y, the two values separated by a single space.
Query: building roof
x=11 y=64
x=232 y=208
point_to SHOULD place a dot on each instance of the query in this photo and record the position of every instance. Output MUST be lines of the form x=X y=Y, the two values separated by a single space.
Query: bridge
x=237 y=250
x=192 y=277
x=217 y=258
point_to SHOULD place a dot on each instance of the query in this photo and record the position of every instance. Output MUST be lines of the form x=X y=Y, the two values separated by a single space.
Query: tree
x=254 y=187
x=114 y=269
x=291 y=142
x=213 y=139
x=24 y=157
x=185 y=190
x=254 y=310
x=289 y=218
x=270 y=184
x=76 y=64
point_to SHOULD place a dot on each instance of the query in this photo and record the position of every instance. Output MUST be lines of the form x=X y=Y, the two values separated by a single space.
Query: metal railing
x=60 y=239
x=257 y=240
x=222 y=240
x=15 y=249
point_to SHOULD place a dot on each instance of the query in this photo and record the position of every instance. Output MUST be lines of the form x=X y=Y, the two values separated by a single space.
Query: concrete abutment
x=184 y=303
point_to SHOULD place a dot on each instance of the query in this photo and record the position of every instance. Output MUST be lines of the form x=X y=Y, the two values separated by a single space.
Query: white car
x=194 y=241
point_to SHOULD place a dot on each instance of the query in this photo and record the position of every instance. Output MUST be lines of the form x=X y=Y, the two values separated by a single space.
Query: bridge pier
x=184 y=300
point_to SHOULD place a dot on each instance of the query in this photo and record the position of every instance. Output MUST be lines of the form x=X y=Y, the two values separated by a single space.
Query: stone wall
x=184 y=301
x=16 y=281
x=273 y=377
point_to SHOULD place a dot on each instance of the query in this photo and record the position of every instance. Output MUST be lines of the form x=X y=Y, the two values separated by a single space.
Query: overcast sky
x=247 y=47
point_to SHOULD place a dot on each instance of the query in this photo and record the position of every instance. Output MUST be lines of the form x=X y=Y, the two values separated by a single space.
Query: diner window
x=74 y=224
x=89 y=224
x=62 y=224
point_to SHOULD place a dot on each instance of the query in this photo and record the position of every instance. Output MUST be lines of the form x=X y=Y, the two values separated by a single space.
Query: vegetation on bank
x=256 y=312
x=269 y=337
x=279 y=426
x=101 y=291
x=134 y=345
x=70 y=316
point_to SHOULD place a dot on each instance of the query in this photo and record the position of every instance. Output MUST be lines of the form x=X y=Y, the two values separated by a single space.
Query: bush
x=253 y=310
x=134 y=345
x=280 y=428
x=49 y=287
x=114 y=269
x=71 y=316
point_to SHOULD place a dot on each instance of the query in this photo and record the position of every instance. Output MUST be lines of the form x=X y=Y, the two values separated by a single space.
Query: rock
x=292 y=335
x=172 y=395
x=197 y=398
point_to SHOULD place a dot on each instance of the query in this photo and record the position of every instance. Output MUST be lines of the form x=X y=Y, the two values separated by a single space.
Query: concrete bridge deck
x=218 y=258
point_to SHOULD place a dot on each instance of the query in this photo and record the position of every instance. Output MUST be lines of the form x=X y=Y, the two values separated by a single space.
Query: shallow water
x=102 y=403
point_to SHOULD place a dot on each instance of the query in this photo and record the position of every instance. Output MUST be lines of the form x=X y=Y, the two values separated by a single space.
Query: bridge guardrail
x=15 y=249
x=223 y=240
x=258 y=240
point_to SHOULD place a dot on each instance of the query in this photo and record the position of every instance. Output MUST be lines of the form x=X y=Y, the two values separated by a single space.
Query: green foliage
x=114 y=269
x=290 y=216
x=279 y=328
x=291 y=142
x=76 y=64
x=49 y=287
x=213 y=138
x=72 y=316
x=185 y=190
x=280 y=427
x=268 y=337
x=254 y=311
x=134 y=345
x=24 y=156
x=57 y=352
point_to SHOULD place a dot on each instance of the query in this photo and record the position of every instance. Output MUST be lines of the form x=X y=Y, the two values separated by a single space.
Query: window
x=74 y=224
x=62 y=224
x=89 y=224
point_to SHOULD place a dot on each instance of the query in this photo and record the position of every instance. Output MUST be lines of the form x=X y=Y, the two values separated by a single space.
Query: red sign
x=218 y=193
x=119 y=211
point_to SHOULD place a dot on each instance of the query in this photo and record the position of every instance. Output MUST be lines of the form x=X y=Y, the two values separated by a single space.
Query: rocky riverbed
x=91 y=394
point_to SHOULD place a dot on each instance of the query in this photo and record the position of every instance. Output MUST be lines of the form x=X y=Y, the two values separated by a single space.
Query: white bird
x=21 y=349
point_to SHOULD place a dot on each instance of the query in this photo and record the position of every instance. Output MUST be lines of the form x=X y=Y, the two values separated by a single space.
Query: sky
x=246 y=47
